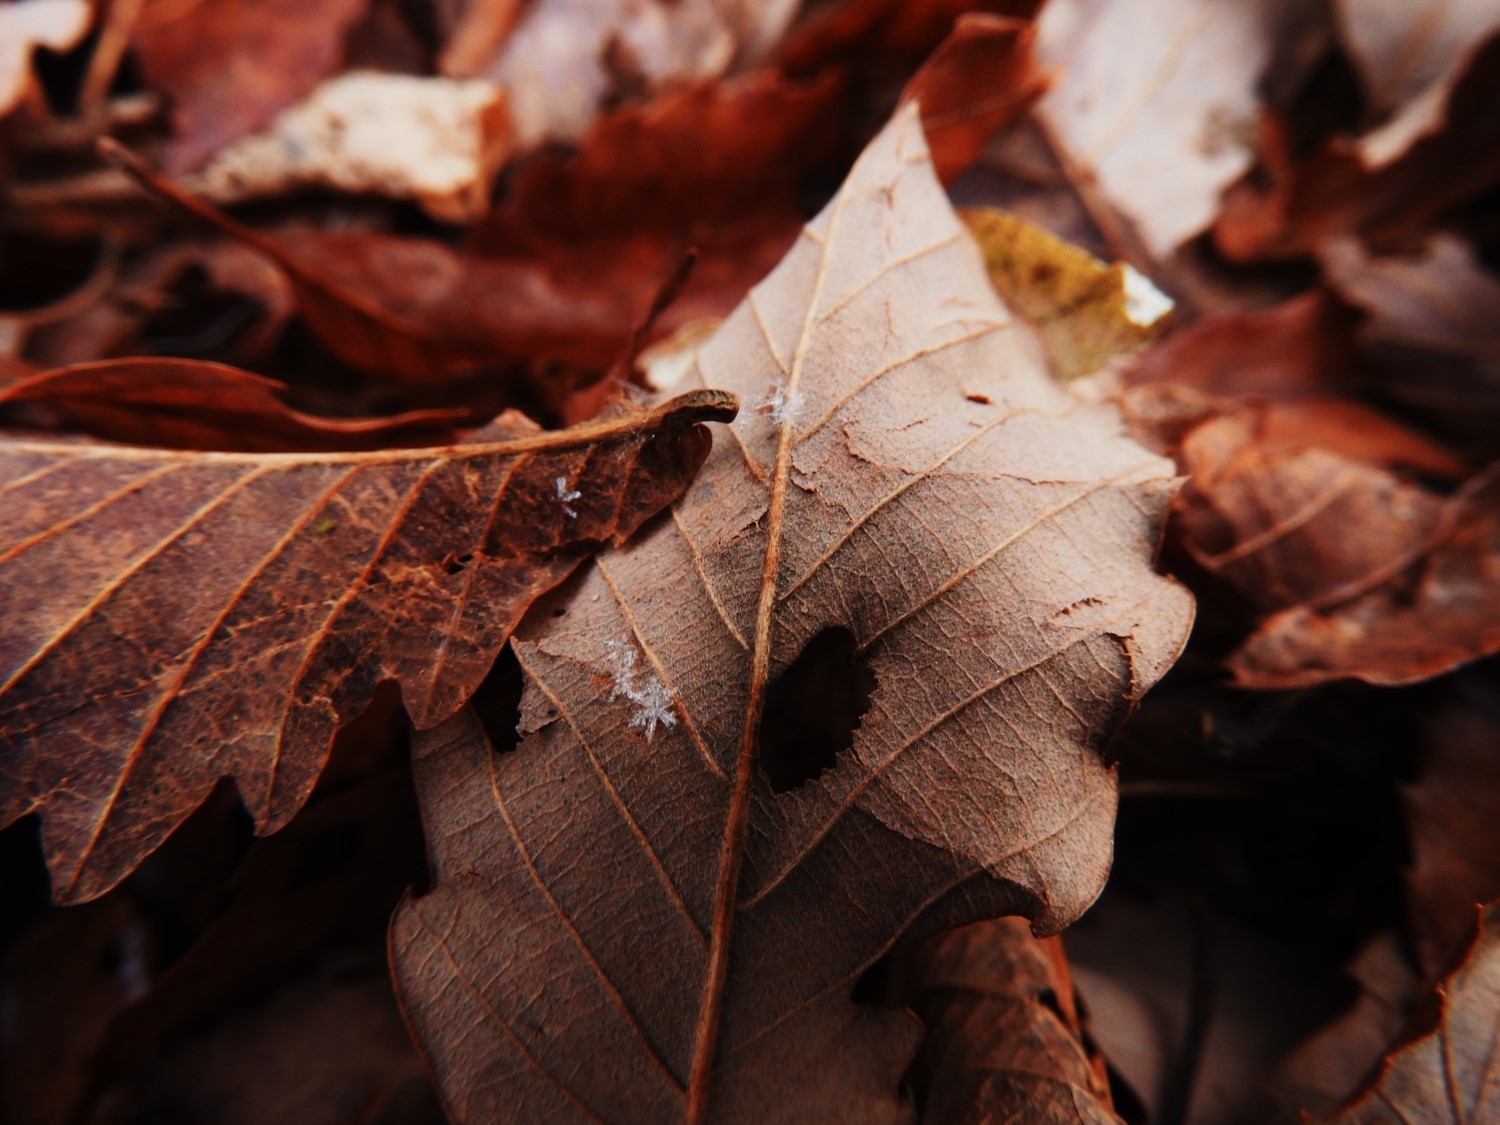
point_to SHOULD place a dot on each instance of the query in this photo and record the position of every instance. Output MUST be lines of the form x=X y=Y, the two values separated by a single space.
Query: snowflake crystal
x=654 y=705
x=565 y=496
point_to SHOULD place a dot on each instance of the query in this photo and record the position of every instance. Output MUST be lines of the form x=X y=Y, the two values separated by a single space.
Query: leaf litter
x=781 y=726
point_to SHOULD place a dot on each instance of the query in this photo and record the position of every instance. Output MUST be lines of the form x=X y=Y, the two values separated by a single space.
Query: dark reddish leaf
x=229 y=66
x=917 y=515
x=172 y=618
x=187 y=404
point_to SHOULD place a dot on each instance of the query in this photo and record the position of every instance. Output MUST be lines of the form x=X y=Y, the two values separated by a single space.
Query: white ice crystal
x=653 y=702
x=566 y=496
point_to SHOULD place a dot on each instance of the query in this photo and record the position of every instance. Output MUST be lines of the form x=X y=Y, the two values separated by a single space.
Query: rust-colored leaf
x=658 y=899
x=187 y=404
x=978 y=80
x=171 y=618
x=1003 y=1041
x=1451 y=1073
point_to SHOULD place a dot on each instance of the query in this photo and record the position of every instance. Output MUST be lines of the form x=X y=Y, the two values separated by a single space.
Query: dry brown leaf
x=28 y=24
x=350 y=320
x=172 y=618
x=188 y=404
x=229 y=66
x=913 y=502
x=1156 y=103
x=1450 y=1073
x=434 y=140
x=1002 y=1040
x=1429 y=605
x=1295 y=205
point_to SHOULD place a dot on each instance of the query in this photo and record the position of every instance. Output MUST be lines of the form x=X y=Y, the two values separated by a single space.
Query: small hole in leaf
x=813 y=710
x=559 y=612
x=453 y=565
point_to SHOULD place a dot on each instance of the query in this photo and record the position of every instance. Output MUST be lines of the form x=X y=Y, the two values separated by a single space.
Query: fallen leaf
x=434 y=140
x=187 y=404
x=1431 y=330
x=1002 y=1040
x=1294 y=204
x=229 y=66
x=1430 y=611
x=1448 y=1074
x=980 y=78
x=1409 y=58
x=1318 y=1075
x=28 y=24
x=913 y=505
x=567 y=59
x=313 y=577
x=348 y=321
x=1085 y=312
x=1452 y=813
x=1156 y=104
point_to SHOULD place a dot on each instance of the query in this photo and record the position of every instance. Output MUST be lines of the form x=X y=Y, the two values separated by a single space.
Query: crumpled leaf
x=434 y=140
x=1436 y=603
x=1002 y=1041
x=1295 y=204
x=229 y=66
x=920 y=505
x=1085 y=312
x=187 y=404
x=28 y=24
x=171 y=618
x=1448 y=1074
x=1156 y=103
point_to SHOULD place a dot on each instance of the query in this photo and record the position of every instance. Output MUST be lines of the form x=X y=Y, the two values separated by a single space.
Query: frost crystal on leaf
x=565 y=496
x=654 y=706
x=783 y=407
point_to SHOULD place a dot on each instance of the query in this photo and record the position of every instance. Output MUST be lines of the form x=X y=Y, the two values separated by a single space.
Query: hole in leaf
x=452 y=565
x=813 y=710
x=498 y=701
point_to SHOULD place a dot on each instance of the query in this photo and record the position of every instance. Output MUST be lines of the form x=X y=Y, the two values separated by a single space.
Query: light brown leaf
x=1451 y=1073
x=653 y=903
x=171 y=618
x=1156 y=104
